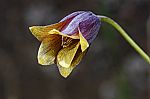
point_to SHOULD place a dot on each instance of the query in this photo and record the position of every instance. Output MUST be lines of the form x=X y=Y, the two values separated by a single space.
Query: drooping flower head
x=66 y=42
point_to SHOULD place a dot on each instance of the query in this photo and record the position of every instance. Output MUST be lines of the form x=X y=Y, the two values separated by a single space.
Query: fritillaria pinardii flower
x=66 y=42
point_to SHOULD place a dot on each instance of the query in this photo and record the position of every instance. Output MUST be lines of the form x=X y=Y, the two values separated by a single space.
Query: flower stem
x=126 y=37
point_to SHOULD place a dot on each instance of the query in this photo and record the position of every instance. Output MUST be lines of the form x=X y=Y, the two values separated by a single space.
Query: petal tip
x=31 y=28
x=84 y=47
x=41 y=61
x=65 y=72
x=64 y=75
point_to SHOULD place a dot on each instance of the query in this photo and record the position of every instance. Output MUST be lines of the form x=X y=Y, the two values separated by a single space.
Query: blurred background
x=110 y=70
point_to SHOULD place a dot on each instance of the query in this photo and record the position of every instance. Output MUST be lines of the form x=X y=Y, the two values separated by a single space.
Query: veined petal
x=72 y=26
x=78 y=57
x=66 y=55
x=89 y=28
x=40 y=32
x=65 y=72
x=54 y=31
x=83 y=42
x=72 y=15
x=49 y=49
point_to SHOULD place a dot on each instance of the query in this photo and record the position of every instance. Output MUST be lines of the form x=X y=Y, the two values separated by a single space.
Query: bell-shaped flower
x=66 y=42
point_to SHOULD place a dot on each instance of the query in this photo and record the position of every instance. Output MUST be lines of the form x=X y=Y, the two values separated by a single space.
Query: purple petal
x=89 y=28
x=72 y=15
x=72 y=27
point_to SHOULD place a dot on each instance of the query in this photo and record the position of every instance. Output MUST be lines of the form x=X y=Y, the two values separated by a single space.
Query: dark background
x=110 y=70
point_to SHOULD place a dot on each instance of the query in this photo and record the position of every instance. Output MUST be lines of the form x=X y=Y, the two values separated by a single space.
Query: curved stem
x=126 y=37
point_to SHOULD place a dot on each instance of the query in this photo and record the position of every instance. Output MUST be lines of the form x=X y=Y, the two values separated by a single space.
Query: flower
x=66 y=42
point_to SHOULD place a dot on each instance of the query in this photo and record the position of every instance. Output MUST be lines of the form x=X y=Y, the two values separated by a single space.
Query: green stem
x=126 y=37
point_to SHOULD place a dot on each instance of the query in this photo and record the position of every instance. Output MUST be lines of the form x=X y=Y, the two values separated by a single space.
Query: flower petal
x=65 y=72
x=66 y=55
x=89 y=28
x=72 y=15
x=49 y=49
x=78 y=57
x=40 y=32
x=54 y=31
x=72 y=26
x=83 y=42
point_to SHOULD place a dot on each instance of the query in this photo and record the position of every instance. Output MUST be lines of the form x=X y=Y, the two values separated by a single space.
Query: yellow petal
x=49 y=49
x=40 y=32
x=54 y=31
x=78 y=57
x=66 y=55
x=65 y=72
x=83 y=42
